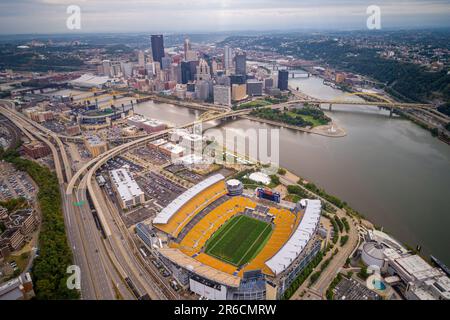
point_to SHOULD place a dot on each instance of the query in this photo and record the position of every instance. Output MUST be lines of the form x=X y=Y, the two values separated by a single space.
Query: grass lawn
x=239 y=240
x=311 y=119
x=293 y=198
x=254 y=104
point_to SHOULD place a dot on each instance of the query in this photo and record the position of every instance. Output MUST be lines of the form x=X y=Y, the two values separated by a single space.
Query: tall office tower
x=214 y=66
x=185 y=72
x=193 y=66
x=228 y=58
x=157 y=47
x=116 y=70
x=241 y=63
x=166 y=62
x=283 y=80
x=141 y=58
x=202 y=90
x=187 y=48
x=203 y=71
x=157 y=69
x=106 y=68
x=175 y=72
x=222 y=95
x=150 y=69
x=127 y=69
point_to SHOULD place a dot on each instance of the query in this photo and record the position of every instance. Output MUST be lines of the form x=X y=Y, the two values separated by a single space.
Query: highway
x=88 y=251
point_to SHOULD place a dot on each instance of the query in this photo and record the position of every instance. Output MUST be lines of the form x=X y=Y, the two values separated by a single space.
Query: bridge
x=375 y=100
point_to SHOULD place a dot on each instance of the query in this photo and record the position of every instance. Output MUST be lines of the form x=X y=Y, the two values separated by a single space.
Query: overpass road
x=88 y=252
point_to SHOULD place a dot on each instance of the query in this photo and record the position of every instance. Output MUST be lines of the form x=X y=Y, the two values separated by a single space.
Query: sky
x=50 y=16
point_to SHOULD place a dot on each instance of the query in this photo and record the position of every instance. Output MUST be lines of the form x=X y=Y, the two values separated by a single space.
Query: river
x=389 y=169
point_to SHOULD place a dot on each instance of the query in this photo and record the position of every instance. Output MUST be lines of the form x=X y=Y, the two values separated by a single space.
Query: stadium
x=221 y=243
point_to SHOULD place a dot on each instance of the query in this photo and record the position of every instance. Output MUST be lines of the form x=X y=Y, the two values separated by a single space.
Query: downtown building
x=254 y=87
x=228 y=58
x=157 y=47
x=238 y=92
x=283 y=80
x=222 y=95
x=240 y=61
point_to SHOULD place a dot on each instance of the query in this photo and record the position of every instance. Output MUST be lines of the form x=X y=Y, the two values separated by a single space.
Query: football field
x=239 y=240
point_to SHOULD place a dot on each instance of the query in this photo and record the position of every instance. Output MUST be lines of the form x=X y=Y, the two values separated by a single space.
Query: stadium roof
x=164 y=216
x=298 y=240
x=90 y=81
x=203 y=270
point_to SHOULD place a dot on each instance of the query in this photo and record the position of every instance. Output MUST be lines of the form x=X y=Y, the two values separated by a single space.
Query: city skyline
x=49 y=16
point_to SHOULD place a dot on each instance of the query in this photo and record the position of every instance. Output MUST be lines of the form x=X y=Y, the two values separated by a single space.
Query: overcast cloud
x=49 y=16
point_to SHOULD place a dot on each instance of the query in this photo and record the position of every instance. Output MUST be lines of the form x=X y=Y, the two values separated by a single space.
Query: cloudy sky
x=49 y=16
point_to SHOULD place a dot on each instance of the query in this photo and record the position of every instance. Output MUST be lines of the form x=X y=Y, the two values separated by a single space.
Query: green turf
x=239 y=240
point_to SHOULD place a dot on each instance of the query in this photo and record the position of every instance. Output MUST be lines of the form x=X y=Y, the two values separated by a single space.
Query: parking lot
x=15 y=184
x=156 y=187
x=119 y=162
x=55 y=126
x=154 y=156
x=140 y=215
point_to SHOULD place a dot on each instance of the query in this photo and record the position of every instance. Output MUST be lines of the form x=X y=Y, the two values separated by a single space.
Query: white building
x=90 y=81
x=423 y=281
x=222 y=95
x=192 y=142
x=127 y=190
x=173 y=150
x=260 y=177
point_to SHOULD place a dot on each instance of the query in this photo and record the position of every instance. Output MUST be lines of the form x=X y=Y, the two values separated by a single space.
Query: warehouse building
x=128 y=192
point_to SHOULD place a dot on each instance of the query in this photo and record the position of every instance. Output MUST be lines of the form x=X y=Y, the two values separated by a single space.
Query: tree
x=363 y=273
x=49 y=268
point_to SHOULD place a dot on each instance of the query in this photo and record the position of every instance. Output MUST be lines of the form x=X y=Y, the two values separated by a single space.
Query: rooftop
x=298 y=240
x=164 y=216
x=125 y=184
x=183 y=260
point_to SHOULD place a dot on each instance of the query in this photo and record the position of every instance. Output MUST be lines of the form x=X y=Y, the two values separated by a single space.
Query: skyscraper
x=240 y=61
x=283 y=80
x=141 y=58
x=228 y=58
x=185 y=72
x=166 y=62
x=203 y=70
x=222 y=95
x=157 y=47
x=187 y=48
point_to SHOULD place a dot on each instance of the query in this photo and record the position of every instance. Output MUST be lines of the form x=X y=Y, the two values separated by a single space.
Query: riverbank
x=331 y=130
